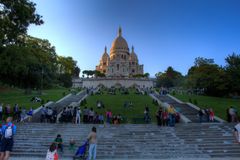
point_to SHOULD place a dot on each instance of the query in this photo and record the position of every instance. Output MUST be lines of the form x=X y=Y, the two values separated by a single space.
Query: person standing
x=171 y=112
x=159 y=116
x=237 y=133
x=78 y=116
x=92 y=139
x=8 y=132
x=1 y=111
x=200 y=115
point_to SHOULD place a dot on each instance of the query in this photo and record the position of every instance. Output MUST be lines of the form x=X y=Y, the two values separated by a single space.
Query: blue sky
x=164 y=32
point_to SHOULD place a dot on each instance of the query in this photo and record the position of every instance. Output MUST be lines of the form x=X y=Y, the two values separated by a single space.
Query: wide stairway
x=185 y=109
x=128 y=141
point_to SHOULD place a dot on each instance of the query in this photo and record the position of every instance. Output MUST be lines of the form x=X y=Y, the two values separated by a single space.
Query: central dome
x=119 y=42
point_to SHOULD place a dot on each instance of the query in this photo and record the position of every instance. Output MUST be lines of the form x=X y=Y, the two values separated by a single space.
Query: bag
x=8 y=132
x=56 y=156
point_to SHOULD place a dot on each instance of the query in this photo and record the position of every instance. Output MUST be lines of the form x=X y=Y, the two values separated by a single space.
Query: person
x=228 y=115
x=43 y=114
x=1 y=111
x=237 y=132
x=15 y=111
x=171 y=112
x=59 y=142
x=19 y=114
x=49 y=114
x=52 y=152
x=147 y=115
x=8 y=110
x=109 y=116
x=200 y=115
x=159 y=116
x=211 y=115
x=232 y=113
x=23 y=115
x=165 y=117
x=92 y=139
x=207 y=114
x=91 y=115
x=119 y=118
x=8 y=132
x=72 y=144
x=30 y=114
x=85 y=115
x=78 y=116
x=101 y=118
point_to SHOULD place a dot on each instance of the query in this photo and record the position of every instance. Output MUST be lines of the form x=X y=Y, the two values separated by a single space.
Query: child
x=59 y=142
x=52 y=152
x=211 y=115
x=72 y=144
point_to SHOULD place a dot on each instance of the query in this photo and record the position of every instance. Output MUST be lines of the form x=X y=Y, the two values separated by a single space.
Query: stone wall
x=110 y=82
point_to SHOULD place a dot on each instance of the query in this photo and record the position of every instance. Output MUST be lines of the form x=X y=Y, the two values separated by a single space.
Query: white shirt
x=1 y=109
x=238 y=131
x=50 y=155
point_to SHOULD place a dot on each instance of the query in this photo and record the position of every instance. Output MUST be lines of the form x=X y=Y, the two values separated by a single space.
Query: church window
x=133 y=70
x=118 y=67
x=104 y=63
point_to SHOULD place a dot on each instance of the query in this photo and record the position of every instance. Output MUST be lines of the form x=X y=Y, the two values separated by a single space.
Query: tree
x=16 y=16
x=99 y=74
x=169 y=78
x=199 y=61
x=209 y=77
x=233 y=73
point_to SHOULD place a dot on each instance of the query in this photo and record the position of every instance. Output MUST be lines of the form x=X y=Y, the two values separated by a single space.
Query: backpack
x=8 y=131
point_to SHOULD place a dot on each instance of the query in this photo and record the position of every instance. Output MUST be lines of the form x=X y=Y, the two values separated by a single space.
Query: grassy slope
x=116 y=102
x=13 y=96
x=219 y=105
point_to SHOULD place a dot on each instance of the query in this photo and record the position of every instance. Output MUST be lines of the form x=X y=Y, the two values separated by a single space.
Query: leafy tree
x=169 y=78
x=16 y=16
x=207 y=76
x=233 y=73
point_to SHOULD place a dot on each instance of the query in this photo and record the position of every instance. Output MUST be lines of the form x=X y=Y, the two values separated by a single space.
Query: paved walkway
x=32 y=158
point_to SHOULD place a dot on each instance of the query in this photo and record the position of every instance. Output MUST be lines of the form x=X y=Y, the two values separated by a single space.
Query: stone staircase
x=129 y=141
x=185 y=109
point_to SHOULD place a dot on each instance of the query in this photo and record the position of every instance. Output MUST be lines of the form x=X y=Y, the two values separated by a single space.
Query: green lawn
x=219 y=105
x=13 y=96
x=116 y=104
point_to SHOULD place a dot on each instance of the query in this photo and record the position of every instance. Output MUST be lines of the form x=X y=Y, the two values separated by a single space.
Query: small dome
x=105 y=54
x=133 y=55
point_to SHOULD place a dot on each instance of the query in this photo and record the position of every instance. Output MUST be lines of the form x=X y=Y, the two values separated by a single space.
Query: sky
x=163 y=32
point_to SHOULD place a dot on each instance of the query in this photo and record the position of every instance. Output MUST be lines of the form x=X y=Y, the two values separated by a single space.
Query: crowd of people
x=167 y=116
x=206 y=115
x=48 y=115
x=88 y=115
x=16 y=112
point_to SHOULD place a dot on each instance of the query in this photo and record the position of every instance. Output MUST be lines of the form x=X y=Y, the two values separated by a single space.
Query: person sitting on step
x=59 y=142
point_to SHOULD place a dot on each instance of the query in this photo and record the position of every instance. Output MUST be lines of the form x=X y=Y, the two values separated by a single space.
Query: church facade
x=120 y=62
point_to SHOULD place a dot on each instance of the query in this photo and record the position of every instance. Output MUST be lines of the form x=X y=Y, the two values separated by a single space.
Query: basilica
x=121 y=62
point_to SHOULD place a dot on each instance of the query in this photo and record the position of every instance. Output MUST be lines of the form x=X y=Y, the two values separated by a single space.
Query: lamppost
x=41 y=81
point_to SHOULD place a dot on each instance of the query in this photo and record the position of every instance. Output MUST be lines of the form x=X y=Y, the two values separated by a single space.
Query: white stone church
x=120 y=63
